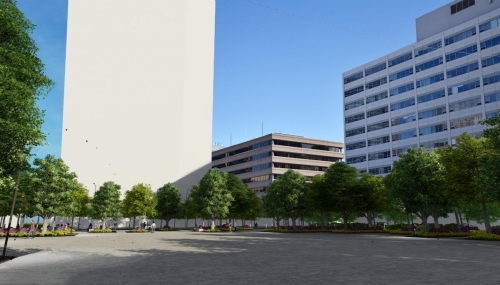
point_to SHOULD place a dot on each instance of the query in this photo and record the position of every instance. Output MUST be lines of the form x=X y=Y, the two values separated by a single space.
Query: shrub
x=398 y=232
x=441 y=234
x=211 y=231
x=138 y=231
x=482 y=235
x=165 y=230
x=102 y=231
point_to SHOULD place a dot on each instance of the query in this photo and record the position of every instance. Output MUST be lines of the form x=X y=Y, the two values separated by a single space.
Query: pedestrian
x=153 y=227
x=230 y=227
x=90 y=227
x=256 y=225
x=32 y=230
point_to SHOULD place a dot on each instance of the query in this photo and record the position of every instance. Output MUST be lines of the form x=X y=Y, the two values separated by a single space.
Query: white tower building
x=138 y=91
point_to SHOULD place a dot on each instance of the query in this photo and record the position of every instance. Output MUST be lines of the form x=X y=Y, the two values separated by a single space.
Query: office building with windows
x=260 y=161
x=138 y=92
x=428 y=93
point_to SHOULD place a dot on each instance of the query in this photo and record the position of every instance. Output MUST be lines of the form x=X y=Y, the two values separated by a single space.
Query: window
x=376 y=112
x=462 y=70
x=431 y=96
x=379 y=155
x=377 y=141
x=455 y=8
x=355 y=118
x=220 y=156
x=377 y=126
x=262 y=166
x=465 y=104
x=402 y=89
x=353 y=91
x=299 y=166
x=490 y=98
x=355 y=132
x=261 y=155
x=356 y=159
x=428 y=48
x=376 y=97
x=398 y=151
x=307 y=145
x=251 y=158
x=429 y=64
x=403 y=104
x=433 y=129
x=306 y=156
x=462 y=87
x=400 y=59
x=465 y=122
x=404 y=135
x=261 y=144
x=492 y=115
x=401 y=74
x=356 y=145
x=435 y=144
x=490 y=43
x=461 y=53
x=489 y=25
x=250 y=169
x=491 y=60
x=375 y=83
x=403 y=119
x=353 y=77
x=375 y=69
x=491 y=78
x=460 y=36
x=257 y=179
x=354 y=104
x=432 y=113
x=379 y=170
x=430 y=80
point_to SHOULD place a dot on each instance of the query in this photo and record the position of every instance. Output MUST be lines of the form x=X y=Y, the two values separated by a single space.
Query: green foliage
x=101 y=231
x=344 y=193
x=169 y=202
x=398 y=232
x=140 y=201
x=138 y=231
x=212 y=198
x=474 y=212
x=492 y=160
x=417 y=181
x=441 y=235
x=22 y=84
x=106 y=202
x=482 y=235
x=246 y=204
x=376 y=199
x=51 y=187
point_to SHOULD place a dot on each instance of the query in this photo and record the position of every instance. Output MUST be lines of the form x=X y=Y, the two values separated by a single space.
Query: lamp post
x=95 y=188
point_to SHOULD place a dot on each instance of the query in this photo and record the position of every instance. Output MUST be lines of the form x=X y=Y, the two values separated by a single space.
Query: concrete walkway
x=185 y=257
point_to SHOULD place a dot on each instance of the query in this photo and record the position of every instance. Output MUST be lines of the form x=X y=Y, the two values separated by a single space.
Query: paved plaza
x=256 y=257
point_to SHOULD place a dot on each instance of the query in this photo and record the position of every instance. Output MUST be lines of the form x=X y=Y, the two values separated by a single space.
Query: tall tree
x=22 y=84
x=492 y=160
x=320 y=198
x=273 y=203
x=377 y=200
x=139 y=201
x=417 y=180
x=212 y=197
x=468 y=173
x=343 y=191
x=239 y=191
x=106 y=203
x=80 y=203
x=169 y=202
x=51 y=187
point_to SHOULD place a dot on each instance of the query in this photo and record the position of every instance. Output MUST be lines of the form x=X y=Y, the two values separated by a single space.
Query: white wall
x=138 y=91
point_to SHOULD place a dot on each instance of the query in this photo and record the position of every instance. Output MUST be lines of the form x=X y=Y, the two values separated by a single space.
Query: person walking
x=153 y=227
x=230 y=227
x=32 y=230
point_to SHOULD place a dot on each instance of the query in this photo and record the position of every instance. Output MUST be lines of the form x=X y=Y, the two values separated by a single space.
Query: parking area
x=186 y=257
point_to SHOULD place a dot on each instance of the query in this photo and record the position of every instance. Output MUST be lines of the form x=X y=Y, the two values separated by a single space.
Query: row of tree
x=425 y=183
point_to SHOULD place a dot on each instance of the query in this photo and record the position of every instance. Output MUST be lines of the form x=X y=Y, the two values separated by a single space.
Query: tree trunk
x=461 y=220
x=134 y=223
x=424 y=222
x=436 y=222
x=278 y=223
x=294 y=223
x=54 y=223
x=174 y=223
x=456 y=218
x=345 y=217
x=104 y=223
x=486 y=218
x=212 y=224
x=45 y=224
x=323 y=217
x=72 y=221
x=79 y=218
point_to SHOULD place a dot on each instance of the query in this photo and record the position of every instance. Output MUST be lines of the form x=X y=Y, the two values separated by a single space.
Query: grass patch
x=441 y=235
x=165 y=230
x=398 y=232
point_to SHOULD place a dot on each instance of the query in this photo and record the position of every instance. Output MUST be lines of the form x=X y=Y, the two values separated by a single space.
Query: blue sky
x=270 y=66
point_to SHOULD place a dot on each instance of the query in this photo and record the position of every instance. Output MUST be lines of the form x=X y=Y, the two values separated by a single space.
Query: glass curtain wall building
x=428 y=93
x=260 y=161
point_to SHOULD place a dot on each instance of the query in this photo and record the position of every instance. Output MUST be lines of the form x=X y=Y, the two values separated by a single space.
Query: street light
x=95 y=188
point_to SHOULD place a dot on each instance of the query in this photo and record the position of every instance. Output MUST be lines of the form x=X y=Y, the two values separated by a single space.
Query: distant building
x=260 y=161
x=428 y=93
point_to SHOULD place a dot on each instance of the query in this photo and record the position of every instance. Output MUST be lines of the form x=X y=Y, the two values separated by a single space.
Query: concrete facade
x=425 y=94
x=261 y=160
x=139 y=91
